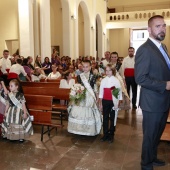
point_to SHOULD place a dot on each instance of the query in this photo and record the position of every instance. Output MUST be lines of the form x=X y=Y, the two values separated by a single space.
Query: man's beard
x=131 y=55
x=160 y=36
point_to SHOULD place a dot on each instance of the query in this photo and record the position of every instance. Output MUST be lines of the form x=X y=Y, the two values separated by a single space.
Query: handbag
x=125 y=104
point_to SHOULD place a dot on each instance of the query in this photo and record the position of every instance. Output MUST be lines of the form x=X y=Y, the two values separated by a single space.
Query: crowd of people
x=104 y=86
x=97 y=76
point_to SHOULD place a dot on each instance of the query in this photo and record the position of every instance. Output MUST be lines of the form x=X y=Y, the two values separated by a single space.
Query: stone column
x=45 y=31
x=26 y=34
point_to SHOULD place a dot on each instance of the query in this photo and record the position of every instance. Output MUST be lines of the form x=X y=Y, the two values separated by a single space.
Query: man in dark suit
x=152 y=73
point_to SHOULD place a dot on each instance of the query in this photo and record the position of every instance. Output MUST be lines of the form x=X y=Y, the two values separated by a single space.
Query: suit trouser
x=153 y=126
x=108 y=111
x=130 y=81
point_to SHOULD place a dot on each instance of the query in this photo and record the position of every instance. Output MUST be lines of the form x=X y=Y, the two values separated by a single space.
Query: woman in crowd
x=16 y=115
x=27 y=70
x=72 y=71
x=94 y=70
x=125 y=97
x=67 y=82
x=47 y=66
x=54 y=74
x=114 y=60
x=63 y=63
x=30 y=65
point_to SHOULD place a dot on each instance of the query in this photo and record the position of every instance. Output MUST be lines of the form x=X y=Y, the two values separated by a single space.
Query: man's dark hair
x=131 y=48
x=154 y=17
x=114 y=53
x=5 y=51
x=19 y=61
x=87 y=61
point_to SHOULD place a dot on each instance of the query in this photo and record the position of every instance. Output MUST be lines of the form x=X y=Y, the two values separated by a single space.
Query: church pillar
x=26 y=35
x=45 y=29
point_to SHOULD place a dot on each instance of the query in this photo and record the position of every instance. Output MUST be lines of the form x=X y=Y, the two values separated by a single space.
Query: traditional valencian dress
x=85 y=117
x=14 y=127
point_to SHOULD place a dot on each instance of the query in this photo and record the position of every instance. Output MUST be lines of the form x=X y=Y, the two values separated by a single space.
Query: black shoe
x=21 y=140
x=158 y=162
x=111 y=139
x=104 y=138
x=134 y=107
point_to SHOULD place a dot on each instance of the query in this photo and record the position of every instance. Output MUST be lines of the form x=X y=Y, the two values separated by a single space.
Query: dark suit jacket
x=92 y=80
x=152 y=73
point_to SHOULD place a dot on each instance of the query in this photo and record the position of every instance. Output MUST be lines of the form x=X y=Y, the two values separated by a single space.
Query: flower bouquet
x=77 y=93
x=115 y=96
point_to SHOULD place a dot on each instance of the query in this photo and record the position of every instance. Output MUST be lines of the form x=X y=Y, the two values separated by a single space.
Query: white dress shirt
x=18 y=69
x=5 y=64
x=64 y=84
x=128 y=62
x=54 y=76
x=105 y=63
x=109 y=82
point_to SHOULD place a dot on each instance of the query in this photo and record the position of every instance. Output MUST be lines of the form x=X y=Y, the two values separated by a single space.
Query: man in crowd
x=106 y=59
x=128 y=74
x=5 y=65
x=79 y=70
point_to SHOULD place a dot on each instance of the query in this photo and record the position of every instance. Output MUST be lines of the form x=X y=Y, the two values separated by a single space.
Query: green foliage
x=78 y=97
x=115 y=92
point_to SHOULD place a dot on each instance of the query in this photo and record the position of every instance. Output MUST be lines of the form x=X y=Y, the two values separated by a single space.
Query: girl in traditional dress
x=109 y=103
x=17 y=124
x=85 y=117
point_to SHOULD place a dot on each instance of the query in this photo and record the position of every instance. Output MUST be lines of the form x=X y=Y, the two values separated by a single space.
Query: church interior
x=79 y=28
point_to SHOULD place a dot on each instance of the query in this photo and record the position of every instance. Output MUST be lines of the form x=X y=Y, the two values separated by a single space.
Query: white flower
x=77 y=88
x=72 y=93
x=76 y=85
x=82 y=88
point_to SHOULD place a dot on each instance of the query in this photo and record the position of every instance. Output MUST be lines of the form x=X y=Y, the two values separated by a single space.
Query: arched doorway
x=84 y=34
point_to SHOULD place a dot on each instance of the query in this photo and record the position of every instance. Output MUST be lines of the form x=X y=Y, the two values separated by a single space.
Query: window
x=138 y=37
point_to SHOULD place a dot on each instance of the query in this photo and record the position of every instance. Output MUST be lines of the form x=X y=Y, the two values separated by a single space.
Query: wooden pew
x=41 y=84
x=41 y=108
x=62 y=94
x=46 y=91
x=56 y=93
x=53 y=80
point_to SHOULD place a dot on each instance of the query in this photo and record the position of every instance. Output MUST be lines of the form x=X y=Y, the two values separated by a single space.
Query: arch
x=87 y=26
x=99 y=36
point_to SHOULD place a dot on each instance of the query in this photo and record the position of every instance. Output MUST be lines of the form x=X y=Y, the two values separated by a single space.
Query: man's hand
x=168 y=85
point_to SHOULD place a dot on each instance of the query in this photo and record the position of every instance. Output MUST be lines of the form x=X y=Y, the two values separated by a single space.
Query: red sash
x=129 y=72
x=7 y=70
x=107 y=95
x=12 y=76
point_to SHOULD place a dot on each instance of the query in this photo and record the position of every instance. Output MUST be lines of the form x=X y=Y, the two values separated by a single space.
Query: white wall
x=9 y=24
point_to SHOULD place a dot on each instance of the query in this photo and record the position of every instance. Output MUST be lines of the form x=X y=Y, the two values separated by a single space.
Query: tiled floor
x=64 y=151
